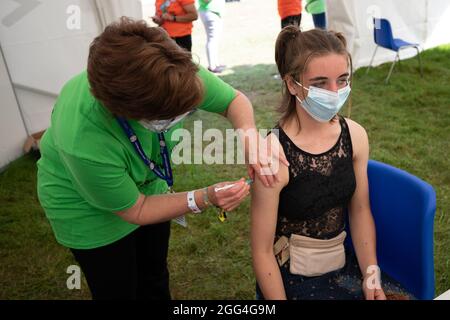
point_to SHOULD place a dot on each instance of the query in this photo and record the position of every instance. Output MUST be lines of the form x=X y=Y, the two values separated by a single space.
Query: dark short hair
x=139 y=72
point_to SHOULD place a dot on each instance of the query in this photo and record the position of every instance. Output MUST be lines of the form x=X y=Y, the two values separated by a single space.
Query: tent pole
x=14 y=91
x=100 y=18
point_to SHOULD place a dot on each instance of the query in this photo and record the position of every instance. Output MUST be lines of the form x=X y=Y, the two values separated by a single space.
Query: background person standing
x=290 y=12
x=176 y=17
x=317 y=9
x=211 y=12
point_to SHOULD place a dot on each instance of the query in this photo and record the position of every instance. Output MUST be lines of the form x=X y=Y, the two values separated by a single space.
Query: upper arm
x=264 y=212
x=360 y=143
x=104 y=186
x=217 y=94
x=133 y=213
x=238 y=101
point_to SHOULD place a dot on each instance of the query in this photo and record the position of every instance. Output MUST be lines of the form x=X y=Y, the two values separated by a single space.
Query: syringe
x=222 y=214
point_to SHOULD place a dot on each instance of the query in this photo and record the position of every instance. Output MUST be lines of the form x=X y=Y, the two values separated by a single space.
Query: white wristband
x=191 y=202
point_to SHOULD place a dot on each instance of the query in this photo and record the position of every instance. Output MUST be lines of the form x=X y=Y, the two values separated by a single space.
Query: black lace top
x=320 y=187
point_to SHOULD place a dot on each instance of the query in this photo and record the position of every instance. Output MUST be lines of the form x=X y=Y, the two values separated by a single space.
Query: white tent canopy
x=425 y=22
x=45 y=42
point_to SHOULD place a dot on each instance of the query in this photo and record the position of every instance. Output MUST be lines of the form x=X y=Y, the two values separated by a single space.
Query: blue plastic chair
x=382 y=33
x=403 y=207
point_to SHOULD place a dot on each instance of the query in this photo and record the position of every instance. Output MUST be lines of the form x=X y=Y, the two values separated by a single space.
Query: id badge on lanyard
x=166 y=173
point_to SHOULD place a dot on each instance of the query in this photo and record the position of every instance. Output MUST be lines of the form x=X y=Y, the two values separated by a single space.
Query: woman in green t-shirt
x=105 y=167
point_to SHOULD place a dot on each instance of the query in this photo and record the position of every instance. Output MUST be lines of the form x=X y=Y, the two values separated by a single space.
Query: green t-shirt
x=315 y=6
x=88 y=168
x=215 y=6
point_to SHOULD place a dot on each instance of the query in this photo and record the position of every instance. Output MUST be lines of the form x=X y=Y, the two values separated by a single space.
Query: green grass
x=408 y=122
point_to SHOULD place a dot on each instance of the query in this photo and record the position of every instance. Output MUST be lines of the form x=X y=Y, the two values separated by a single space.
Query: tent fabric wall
x=420 y=21
x=43 y=49
x=110 y=10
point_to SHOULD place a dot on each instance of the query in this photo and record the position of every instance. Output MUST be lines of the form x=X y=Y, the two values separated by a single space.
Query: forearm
x=159 y=208
x=188 y=17
x=362 y=228
x=268 y=276
x=240 y=115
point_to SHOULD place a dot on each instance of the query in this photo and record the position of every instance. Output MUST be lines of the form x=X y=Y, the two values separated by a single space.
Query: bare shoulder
x=356 y=130
x=360 y=140
x=279 y=169
x=282 y=173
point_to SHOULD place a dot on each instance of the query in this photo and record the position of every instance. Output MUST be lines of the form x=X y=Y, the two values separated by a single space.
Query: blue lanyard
x=167 y=175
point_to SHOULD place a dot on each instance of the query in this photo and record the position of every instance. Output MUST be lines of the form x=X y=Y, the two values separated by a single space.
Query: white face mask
x=162 y=125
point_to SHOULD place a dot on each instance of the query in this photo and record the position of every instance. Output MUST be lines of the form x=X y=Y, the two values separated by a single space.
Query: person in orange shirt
x=176 y=17
x=290 y=12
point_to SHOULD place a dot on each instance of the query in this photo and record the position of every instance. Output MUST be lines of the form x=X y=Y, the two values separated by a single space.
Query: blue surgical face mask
x=322 y=104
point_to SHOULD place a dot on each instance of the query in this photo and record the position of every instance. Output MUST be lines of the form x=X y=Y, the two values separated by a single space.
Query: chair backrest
x=403 y=207
x=382 y=33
